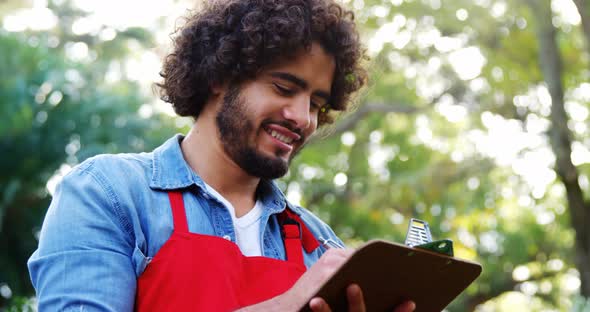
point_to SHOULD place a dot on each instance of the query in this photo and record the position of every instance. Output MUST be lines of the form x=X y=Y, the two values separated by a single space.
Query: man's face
x=264 y=122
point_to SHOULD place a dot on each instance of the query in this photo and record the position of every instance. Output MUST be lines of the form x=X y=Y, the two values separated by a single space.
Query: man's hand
x=319 y=273
x=309 y=284
x=356 y=303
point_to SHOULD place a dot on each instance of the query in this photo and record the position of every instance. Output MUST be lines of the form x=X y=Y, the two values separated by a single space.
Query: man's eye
x=318 y=104
x=315 y=106
x=283 y=90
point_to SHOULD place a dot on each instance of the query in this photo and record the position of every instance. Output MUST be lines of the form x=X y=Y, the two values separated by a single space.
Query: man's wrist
x=281 y=303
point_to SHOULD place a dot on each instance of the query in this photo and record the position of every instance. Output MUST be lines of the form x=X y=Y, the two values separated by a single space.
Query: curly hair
x=232 y=40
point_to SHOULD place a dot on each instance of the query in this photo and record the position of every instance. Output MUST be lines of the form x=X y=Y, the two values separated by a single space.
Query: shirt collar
x=272 y=196
x=169 y=169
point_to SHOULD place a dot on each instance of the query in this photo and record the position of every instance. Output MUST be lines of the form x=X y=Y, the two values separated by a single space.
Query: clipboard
x=391 y=273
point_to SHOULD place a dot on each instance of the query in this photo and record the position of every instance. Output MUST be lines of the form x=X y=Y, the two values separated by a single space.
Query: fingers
x=407 y=306
x=328 y=263
x=334 y=256
x=356 y=302
x=318 y=304
x=354 y=295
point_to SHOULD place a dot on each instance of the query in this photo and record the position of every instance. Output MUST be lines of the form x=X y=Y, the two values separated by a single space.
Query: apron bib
x=195 y=272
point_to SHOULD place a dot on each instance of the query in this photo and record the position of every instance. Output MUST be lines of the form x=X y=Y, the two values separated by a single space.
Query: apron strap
x=178 y=212
x=296 y=236
x=292 y=239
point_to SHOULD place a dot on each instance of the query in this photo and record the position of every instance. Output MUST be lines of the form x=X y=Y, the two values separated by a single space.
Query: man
x=198 y=223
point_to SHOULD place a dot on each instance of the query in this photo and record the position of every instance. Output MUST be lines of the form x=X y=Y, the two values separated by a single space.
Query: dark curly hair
x=232 y=40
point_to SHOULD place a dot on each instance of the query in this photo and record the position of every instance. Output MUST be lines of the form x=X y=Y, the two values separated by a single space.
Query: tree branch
x=349 y=122
x=352 y=120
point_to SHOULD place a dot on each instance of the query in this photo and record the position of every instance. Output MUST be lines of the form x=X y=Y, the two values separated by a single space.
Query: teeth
x=281 y=137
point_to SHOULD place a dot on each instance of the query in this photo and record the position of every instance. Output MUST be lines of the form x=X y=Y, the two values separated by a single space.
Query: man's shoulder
x=115 y=170
x=131 y=165
x=127 y=164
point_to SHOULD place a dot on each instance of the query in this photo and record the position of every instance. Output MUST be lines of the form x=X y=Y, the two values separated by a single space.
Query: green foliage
x=53 y=112
x=22 y=304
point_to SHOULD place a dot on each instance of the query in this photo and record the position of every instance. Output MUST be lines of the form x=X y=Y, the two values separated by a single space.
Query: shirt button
x=227 y=237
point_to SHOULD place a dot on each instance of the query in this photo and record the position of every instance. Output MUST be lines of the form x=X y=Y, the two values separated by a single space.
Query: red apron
x=195 y=272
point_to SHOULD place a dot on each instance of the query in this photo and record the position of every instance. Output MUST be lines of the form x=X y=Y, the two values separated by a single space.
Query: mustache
x=287 y=125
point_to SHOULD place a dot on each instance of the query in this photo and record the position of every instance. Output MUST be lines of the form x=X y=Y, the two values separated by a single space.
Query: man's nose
x=297 y=111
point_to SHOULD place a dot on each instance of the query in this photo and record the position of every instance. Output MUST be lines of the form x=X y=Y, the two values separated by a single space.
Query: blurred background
x=475 y=119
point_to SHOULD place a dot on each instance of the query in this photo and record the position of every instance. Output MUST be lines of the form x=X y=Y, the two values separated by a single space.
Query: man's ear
x=217 y=89
x=216 y=94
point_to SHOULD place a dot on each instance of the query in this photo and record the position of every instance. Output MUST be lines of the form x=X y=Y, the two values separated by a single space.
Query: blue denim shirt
x=111 y=214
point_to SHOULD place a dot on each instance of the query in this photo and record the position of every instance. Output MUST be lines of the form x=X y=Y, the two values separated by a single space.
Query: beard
x=235 y=128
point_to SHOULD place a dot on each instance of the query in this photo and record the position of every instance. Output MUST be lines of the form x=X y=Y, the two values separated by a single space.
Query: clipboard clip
x=419 y=236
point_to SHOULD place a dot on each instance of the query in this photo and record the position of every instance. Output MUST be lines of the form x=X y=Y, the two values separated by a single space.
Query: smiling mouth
x=279 y=136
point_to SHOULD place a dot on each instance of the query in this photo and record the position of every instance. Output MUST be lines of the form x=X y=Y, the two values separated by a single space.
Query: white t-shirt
x=247 y=227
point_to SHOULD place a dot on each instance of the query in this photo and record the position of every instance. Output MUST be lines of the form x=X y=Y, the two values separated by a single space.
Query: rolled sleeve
x=84 y=261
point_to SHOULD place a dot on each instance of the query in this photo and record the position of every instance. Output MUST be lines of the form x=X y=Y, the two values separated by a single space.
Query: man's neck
x=205 y=155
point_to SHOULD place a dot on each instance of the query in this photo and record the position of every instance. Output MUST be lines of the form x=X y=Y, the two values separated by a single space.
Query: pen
x=330 y=243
